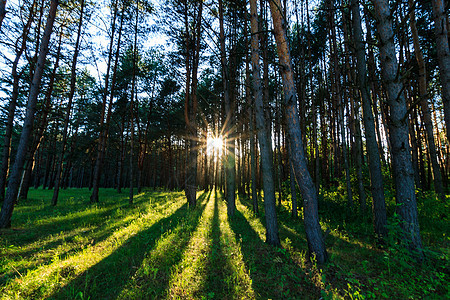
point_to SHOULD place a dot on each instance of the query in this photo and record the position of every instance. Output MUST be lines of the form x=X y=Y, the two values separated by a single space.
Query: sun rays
x=214 y=145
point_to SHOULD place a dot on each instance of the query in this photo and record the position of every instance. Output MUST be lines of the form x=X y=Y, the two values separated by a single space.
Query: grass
x=157 y=248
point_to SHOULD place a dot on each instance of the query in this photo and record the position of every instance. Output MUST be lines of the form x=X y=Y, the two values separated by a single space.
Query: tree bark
x=191 y=104
x=316 y=244
x=340 y=108
x=376 y=177
x=263 y=38
x=443 y=52
x=73 y=78
x=16 y=170
x=294 y=212
x=13 y=102
x=251 y=126
x=103 y=136
x=423 y=94
x=229 y=126
x=403 y=172
x=133 y=95
x=272 y=237
x=42 y=123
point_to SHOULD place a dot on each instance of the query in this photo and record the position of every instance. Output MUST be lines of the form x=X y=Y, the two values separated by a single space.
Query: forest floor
x=158 y=248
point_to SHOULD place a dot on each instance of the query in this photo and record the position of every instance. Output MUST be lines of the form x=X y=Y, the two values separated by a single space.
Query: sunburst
x=214 y=144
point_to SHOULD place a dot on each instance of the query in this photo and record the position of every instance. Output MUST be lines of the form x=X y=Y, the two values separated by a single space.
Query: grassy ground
x=158 y=248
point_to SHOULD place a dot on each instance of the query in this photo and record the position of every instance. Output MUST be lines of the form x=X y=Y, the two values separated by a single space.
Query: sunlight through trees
x=267 y=149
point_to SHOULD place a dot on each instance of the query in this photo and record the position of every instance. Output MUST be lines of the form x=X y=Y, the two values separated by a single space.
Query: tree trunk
x=443 y=53
x=265 y=83
x=191 y=104
x=294 y=212
x=340 y=108
x=104 y=124
x=376 y=177
x=272 y=237
x=41 y=127
x=229 y=128
x=73 y=78
x=25 y=182
x=423 y=94
x=355 y=125
x=403 y=171
x=316 y=244
x=121 y=156
x=16 y=170
x=251 y=126
x=13 y=101
x=133 y=95
x=414 y=147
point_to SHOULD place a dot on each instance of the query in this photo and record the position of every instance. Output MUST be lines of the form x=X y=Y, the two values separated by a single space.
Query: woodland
x=198 y=149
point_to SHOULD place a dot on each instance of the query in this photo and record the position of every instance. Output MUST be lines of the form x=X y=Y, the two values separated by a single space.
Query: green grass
x=157 y=248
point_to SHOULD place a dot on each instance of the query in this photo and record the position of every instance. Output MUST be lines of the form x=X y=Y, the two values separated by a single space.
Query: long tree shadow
x=70 y=232
x=342 y=250
x=152 y=278
x=107 y=278
x=218 y=269
x=290 y=228
x=294 y=230
x=53 y=220
x=274 y=275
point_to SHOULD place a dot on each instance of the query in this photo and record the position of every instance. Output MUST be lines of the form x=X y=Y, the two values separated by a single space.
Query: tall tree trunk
x=315 y=143
x=272 y=237
x=104 y=123
x=143 y=144
x=340 y=103
x=372 y=81
x=376 y=177
x=121 y=156
x=439 y=148
x=41 y=127
x=263 y=29
x=251 y=121
x=316 y=244
x=16 y=170
x=443 y=52
x=294 y=212
x=355 y=128
x=229 y=126
x=414 y=146
x=133 y=95
x=13 y=102
x=358 y=157
x=191 y=103
x=73 y=78
x=423 y=94
x=403 y=171
x=278 y=160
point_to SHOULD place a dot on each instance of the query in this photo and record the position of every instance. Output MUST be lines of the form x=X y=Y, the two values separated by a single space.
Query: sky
x=95 y=33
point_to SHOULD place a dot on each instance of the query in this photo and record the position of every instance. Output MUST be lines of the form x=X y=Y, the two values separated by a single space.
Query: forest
x=229 y=149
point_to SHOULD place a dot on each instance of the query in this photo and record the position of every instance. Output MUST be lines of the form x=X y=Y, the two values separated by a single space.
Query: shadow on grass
x=294 y=230
x=67 y=229
x=290 y=228
x=274 y=275
x=218 y=269
x=54 y=220
x=344 y=255
x=107 y=278
x=152 y=279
